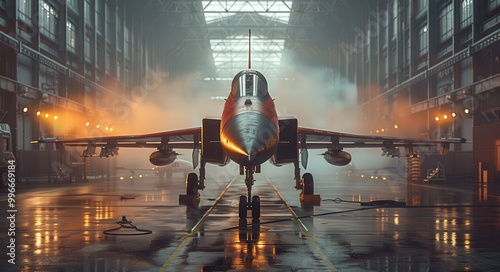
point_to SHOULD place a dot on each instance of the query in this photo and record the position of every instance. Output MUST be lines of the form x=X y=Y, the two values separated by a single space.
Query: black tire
x=192 y=184
x=243 y=207
x=307 y=184
x=255 y=207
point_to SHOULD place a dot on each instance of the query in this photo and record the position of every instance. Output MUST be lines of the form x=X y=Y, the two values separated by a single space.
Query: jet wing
x=184 y=138
x=335 y=141
x=315 y=138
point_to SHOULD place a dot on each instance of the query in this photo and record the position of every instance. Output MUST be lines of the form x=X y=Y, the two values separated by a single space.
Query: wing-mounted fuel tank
x=337 y=157
x=163 y=157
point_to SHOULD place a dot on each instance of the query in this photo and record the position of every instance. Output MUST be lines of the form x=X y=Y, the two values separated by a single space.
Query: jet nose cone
x=248 y=139
x=251 y=153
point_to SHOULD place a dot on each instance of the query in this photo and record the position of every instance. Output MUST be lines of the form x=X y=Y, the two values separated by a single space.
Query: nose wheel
x=254 y=206
x=244 y=204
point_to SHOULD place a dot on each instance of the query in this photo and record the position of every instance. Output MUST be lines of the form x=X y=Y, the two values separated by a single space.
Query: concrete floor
x=445 y=227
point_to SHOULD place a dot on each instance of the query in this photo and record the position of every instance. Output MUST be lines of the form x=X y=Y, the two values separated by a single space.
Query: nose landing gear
x=254 y=204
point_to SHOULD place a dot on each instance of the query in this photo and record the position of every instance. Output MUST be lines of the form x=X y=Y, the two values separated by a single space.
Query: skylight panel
x=231 y=55
x=219 y=10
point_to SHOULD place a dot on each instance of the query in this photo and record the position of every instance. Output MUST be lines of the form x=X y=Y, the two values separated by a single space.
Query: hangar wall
x=65 y=66
x=432 y=66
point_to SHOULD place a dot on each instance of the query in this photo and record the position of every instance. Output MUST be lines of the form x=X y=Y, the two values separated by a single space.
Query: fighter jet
x=249 y=132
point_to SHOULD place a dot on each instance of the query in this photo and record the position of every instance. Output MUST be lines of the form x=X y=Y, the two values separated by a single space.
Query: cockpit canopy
x=249 y=83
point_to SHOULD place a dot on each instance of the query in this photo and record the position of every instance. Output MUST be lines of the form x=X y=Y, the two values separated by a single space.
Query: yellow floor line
x=188 y=237
x=306 y=232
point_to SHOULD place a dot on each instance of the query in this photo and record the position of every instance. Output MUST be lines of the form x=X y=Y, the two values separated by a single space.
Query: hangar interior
x=83 y=68
x=423 y=69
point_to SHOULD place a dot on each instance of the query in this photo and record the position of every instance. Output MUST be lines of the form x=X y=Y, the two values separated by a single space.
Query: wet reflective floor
x=444 y=227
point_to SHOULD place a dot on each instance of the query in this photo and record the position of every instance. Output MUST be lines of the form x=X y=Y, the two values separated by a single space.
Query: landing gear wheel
x=307 y=184
x=192 y=184
x=243 y=207
x=255 y=207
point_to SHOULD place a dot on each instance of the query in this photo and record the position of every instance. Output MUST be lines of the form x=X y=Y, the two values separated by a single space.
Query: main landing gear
x=307 y=196
x=254 y=203
x=192 y=196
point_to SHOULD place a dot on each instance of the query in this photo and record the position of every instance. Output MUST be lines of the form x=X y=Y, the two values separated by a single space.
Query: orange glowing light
x=396 y=126
x=25 y=109
x=55 y=117
x=453 y=114
x=445 y=116
x=38 y=113
x=47 y=115
x=97 y=126
x=437 y=118
x=229 y=145
x=87 y=124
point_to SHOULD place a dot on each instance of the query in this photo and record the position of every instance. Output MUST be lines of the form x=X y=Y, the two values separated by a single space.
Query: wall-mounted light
x=38 y=113
x=25 y=109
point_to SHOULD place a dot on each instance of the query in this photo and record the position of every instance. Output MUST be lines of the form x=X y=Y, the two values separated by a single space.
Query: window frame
x=49 y=27
x=445 y=21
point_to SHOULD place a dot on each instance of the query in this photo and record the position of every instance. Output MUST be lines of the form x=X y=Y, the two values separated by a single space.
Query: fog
x=317 y=96
x=165 y=103
x=320 y=98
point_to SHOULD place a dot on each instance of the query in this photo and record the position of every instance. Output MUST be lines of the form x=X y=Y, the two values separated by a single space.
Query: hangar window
x=465 y=13
x=89 y=50
x=25 y=10
x=230 y=53
x=423 y=40
x=446 y=22
x=71 y=36
x=278 y=11
x=99 y=15
x=421 y=5
x=49 y=19
x=89 y=15
x=493 y=4
x=73 y=4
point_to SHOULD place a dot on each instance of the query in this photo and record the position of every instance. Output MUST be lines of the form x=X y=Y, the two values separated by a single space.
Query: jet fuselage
x=249 y=129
